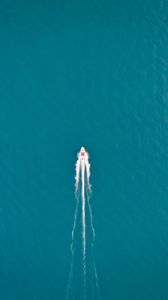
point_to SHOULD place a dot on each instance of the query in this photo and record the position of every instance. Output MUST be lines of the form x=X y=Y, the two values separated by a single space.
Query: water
x=92 y=74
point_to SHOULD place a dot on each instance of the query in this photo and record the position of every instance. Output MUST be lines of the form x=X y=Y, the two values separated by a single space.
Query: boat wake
x=83 y=280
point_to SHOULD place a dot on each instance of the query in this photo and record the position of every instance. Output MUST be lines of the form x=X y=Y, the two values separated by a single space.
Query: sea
x=90 y=73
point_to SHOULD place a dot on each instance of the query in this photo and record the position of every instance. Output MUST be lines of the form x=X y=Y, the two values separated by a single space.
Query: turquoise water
x=91 y=73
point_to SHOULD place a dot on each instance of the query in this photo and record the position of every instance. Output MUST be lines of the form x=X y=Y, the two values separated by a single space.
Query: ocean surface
x=87 y=73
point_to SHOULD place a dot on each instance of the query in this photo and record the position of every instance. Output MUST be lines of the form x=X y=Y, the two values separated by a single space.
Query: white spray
x=83 y=169
x=82 y=181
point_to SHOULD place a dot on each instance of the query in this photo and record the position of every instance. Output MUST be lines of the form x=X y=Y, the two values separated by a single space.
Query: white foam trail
x=91 y=218
x=97 y=280
x=83 y=225
x=82 y=188
x=93 y=236
x=88 y=174
x=77 y=175
x=72 y=251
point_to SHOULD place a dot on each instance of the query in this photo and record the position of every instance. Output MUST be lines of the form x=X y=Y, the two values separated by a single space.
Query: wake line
x=72 y=250
x=93 y=236
x=82 y=189
x=84 y=226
